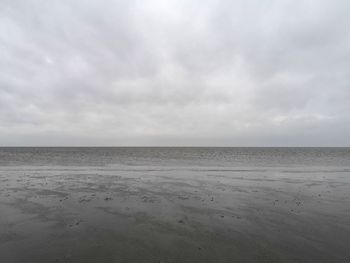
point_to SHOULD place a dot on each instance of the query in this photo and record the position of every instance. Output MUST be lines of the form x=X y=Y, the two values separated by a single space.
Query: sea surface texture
x=174 y=205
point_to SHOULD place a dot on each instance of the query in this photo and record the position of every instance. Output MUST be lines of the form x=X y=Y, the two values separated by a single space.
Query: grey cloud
x=174 y=72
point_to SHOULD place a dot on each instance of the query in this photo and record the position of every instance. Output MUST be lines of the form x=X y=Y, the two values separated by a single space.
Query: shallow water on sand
x=174 y=205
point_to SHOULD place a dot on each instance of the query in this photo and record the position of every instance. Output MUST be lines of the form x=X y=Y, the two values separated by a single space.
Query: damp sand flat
x=174 y=213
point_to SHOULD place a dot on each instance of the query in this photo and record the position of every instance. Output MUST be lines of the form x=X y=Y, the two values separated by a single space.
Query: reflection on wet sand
x=173 y=214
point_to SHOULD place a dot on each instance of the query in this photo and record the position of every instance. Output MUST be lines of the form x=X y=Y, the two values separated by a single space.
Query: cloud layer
x=177 y=72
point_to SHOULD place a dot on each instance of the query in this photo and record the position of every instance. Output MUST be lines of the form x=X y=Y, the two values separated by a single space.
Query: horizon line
x=155 y=146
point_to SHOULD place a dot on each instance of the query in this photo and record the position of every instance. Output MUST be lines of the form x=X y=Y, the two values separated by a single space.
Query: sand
x=173 y=214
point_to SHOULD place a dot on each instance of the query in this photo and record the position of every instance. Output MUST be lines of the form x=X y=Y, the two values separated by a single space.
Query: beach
x=174 y=205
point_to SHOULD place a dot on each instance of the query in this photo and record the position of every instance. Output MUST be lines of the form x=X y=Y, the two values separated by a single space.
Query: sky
x=174 y=73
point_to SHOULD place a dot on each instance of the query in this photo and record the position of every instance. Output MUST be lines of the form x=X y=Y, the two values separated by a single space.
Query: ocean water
x=177 y=156
x=183 y=204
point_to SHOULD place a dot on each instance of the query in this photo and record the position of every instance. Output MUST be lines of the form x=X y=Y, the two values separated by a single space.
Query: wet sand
x=173 y=214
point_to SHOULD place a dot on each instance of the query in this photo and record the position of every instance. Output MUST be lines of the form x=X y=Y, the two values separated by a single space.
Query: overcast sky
x=175 y=72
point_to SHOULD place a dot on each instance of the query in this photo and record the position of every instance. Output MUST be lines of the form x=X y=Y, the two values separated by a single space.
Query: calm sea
x=175 y=156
